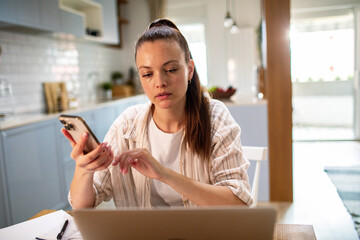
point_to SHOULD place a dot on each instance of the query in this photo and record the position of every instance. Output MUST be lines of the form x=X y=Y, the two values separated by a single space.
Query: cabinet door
x=110 y=21
x=66 y=162
x=8 y=11
x=28 y=13
x=33 y=170
x=50 y=15
x=4 y=205
x=103 y=117
x=72 y=23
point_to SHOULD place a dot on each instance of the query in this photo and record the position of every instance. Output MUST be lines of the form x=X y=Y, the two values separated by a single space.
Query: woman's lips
x=163 y=96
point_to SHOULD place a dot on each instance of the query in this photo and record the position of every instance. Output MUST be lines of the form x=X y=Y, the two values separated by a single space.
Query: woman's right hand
x=98 y=159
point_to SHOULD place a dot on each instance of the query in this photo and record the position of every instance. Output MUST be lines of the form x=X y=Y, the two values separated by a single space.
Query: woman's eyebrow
x=146 y=67
x=170 y=61
x=164 y=64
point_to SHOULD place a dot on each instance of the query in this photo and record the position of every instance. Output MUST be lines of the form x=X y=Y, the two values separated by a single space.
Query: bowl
x=223 y=94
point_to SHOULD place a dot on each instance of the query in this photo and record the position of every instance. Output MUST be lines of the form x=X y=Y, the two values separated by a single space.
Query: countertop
x=245 y=102
x=21 y=119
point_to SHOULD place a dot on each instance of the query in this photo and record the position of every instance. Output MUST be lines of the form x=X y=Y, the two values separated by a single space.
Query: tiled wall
x=28 y=60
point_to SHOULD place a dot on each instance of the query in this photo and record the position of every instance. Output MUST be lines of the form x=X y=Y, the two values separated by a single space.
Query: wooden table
x=282 y=231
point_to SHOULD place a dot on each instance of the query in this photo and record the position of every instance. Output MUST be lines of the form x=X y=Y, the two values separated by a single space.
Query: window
x=195 y=36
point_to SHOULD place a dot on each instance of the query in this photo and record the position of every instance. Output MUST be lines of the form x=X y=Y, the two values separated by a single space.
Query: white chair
x=257 y=154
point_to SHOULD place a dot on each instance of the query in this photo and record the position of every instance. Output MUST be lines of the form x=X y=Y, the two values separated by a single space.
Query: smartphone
x=76 y=126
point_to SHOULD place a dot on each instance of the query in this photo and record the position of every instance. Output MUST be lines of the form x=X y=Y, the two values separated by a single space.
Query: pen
x=61 y=233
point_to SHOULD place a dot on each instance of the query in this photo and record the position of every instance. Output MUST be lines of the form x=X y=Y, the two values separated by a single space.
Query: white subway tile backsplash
x=29 y=60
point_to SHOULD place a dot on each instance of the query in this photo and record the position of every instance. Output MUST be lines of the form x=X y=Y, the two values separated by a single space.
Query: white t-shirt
x=164 y=147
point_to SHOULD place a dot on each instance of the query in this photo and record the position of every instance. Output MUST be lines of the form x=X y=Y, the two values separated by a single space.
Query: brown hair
x=197 y=122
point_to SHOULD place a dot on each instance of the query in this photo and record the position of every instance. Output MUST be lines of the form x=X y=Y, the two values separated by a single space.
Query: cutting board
x=56 y=96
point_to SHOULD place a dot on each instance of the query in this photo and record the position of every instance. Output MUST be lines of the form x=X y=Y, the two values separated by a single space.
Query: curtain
x=157 y=9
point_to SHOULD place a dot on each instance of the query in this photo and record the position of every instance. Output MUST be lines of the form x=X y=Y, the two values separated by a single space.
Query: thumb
x=80 y=145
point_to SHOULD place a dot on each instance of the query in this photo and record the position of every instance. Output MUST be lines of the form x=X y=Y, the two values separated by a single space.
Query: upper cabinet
x=110 y=27
x=50 y=15
x=90 y=19
x=90 y=13
x=28 y=12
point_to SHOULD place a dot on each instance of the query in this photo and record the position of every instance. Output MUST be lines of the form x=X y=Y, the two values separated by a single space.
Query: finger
x=98 y=162
x=115 y=161
x=92 y=156
x=106 y=164
x=68 y=136
x=127 y=163
x=97 y=151
x=122 y=159
x=79 y=147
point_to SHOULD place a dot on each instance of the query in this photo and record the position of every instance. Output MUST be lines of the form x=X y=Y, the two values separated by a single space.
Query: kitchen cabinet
x=35 y=14
x=4 y=206
x=28 y=13
x=103 y=119
x=8 y=11
x=92 y=20
x=71 y=23
x=33 y=175
x=110 y=26
x=50 y=15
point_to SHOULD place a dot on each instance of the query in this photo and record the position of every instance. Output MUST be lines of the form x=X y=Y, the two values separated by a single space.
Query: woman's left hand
x=142 y=161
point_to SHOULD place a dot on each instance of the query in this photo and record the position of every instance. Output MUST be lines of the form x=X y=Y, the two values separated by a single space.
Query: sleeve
x=103 y=185
x=228 y=164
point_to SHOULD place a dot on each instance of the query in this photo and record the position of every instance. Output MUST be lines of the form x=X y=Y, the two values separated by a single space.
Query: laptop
x=177 y=223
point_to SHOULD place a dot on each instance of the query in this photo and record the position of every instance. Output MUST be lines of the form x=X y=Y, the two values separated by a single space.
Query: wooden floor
x=316 y=201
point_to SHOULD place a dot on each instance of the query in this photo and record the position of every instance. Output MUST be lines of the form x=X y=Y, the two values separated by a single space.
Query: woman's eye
x=172 y=70
x=146 y=75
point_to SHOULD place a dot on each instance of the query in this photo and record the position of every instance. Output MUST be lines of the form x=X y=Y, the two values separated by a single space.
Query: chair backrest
x=257 y=154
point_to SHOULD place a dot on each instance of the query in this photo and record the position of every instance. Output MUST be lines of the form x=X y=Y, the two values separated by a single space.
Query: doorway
x=322 y=71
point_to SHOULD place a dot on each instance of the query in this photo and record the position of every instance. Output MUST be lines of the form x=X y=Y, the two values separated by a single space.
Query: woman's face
x=164 y=73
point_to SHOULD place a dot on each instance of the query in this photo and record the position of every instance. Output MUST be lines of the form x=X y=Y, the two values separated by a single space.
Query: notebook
x=203 y=223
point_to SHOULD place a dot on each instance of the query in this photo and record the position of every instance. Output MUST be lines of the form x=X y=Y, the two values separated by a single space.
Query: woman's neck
x=168 y=120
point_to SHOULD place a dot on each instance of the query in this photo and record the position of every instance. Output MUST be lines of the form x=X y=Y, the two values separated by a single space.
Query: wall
x=298 y=5
x=29 y=59
x=221 y=46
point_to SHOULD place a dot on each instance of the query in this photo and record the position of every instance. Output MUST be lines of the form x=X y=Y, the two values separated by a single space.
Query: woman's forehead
x=163 y=50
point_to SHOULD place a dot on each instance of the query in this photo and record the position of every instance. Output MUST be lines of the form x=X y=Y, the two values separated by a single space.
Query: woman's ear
x=191 y=68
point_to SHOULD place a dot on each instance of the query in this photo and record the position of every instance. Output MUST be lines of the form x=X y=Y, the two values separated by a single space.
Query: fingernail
x=85 y=134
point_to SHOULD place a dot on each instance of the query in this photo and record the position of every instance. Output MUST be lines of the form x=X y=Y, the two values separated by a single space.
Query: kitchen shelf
x=121 y=21
x=90 y=11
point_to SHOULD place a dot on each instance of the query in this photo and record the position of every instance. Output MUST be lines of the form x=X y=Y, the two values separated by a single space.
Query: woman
x=181 y=149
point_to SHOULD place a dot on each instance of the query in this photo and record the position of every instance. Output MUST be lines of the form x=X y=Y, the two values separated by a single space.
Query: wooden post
x=276 y=16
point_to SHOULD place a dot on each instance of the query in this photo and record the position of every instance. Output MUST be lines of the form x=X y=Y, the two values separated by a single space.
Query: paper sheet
x=46 y=227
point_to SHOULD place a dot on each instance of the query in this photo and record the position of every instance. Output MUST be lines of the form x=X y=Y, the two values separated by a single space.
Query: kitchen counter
x=22 y=119
x=245 y=102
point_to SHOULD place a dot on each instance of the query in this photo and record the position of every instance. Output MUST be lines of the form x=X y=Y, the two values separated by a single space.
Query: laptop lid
x=177 y=223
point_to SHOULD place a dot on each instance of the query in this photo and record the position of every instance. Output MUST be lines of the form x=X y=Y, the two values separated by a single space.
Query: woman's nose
x=160 y=81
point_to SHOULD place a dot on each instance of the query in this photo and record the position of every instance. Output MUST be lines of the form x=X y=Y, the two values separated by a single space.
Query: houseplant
x=107 y=89
x=117 y=78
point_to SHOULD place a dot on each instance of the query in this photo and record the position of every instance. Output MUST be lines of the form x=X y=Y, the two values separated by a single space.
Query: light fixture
x=228 y=19
x=234 y=28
